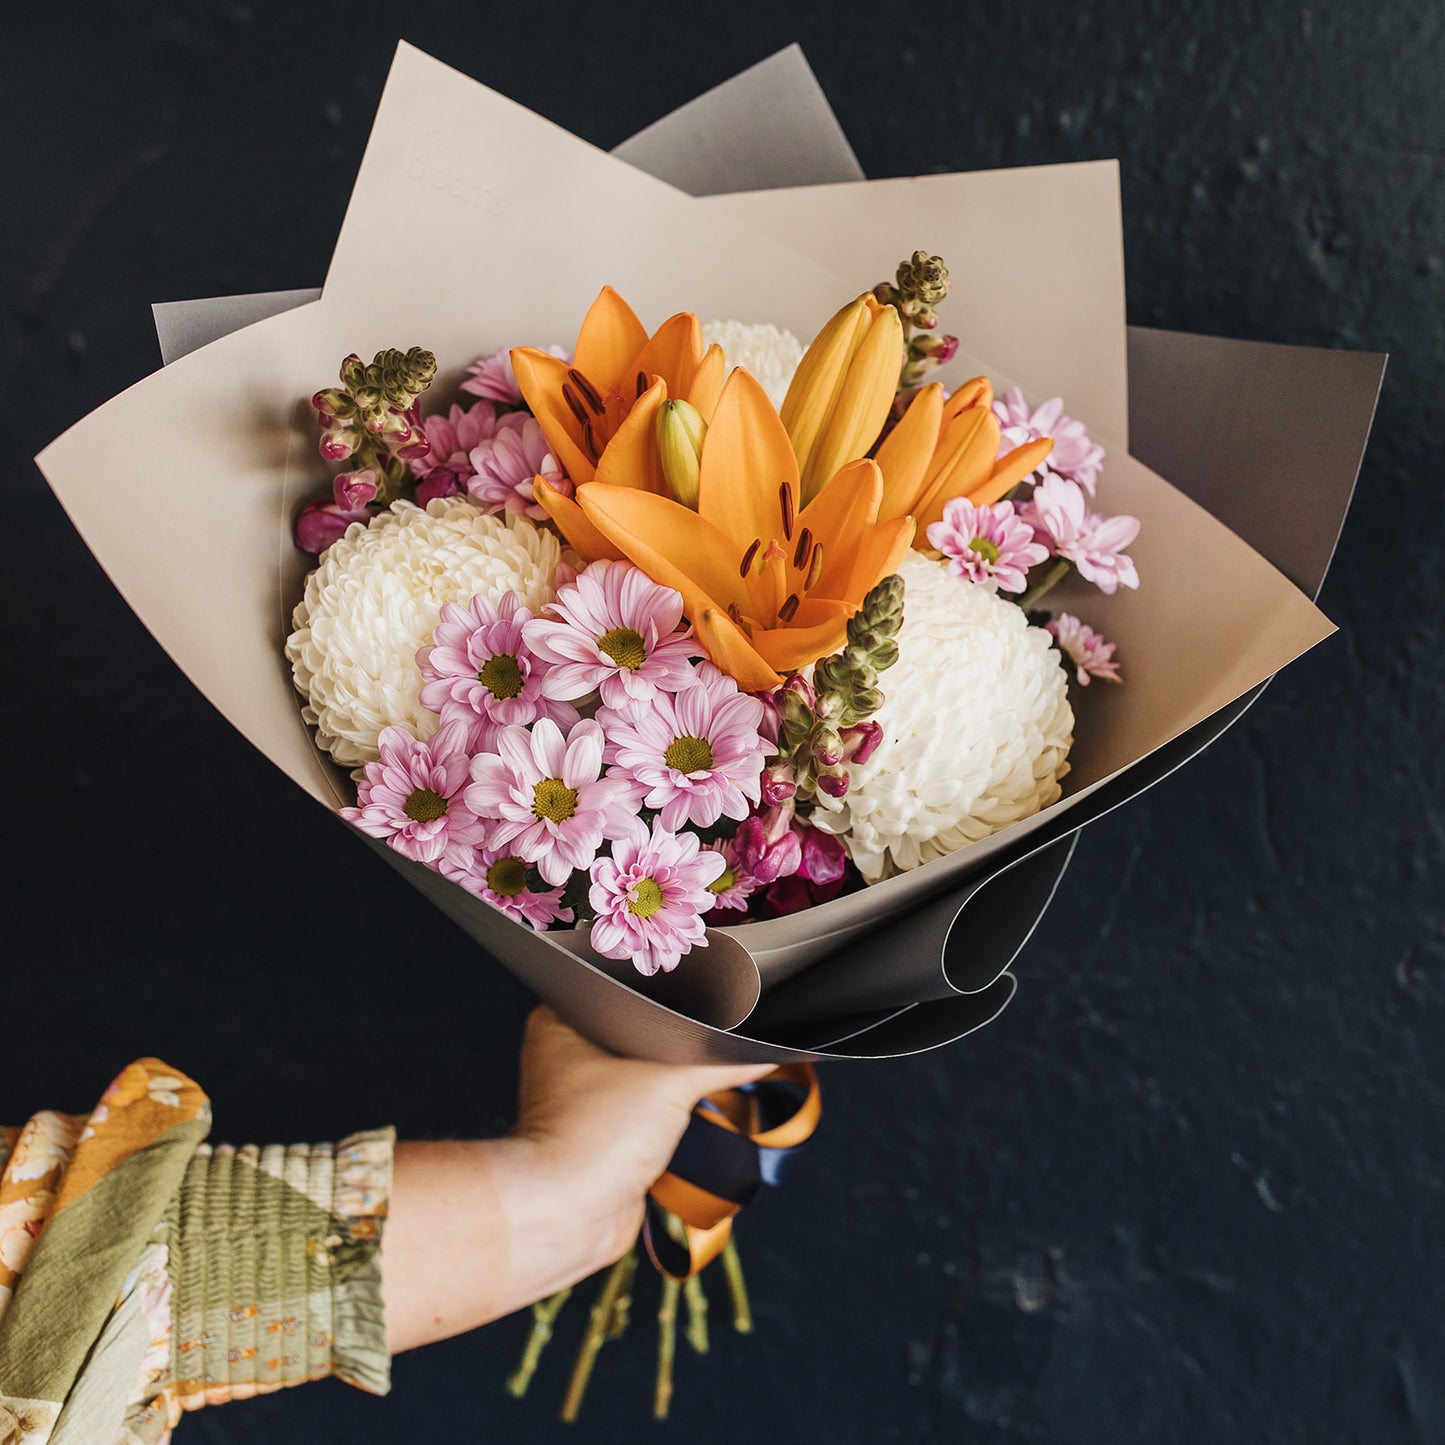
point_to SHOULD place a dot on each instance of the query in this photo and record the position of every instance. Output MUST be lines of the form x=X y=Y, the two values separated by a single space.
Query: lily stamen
x=815 y=568
x=785 y=612
x=785 y=501
x=748 y=556
x=590 y=393
x=800 y=552
x=574 y=404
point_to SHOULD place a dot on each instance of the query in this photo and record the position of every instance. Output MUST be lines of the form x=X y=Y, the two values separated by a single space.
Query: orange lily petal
x=1011 y=468
x=965 y=457
x=540 y=378
x=674 y=353
x=573 y=524
x=977 y=391
x=789 y=648
x=907 y=450
x=746 y=460
x=838 y=517
x=630 y=458
x=671 y=543
x=729 y=648
x=879 y=555
x=862 y=404
x=610 y=338
x=707 y=384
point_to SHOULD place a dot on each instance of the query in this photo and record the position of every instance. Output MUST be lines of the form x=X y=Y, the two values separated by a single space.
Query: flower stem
x=597 y=1328
x=666 y=1347
x=1045 y=584
x=696 y=1298
x=737 y=1288
x=622 y=1305
x=544 y=1314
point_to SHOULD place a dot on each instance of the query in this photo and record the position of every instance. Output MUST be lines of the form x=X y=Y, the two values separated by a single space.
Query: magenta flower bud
x=861 y=741
x=440 y=483
x=778 y=785
x=767 y=847
x=834 y=784
x=823 y=855
x=828 y=748
x=353 y=490
x=801 y=688
x=319 y=525
x=338 y=444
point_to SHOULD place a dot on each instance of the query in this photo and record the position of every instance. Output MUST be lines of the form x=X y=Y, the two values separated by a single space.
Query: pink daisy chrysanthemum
x=987 y=544
x=696 y=754
x=1074 y=455
x=1062 y=520
x=445 y=466
x=732 y=888
x=479 y=669
x=499 y=877
x=1090 y=654
x=413 y=796
x=492 y=376
x=614 y=630
x=505 y=465
x=546 y=798
x=650 y=896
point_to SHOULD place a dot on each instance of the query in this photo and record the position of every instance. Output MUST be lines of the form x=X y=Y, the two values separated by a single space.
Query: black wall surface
x=1188 y=1188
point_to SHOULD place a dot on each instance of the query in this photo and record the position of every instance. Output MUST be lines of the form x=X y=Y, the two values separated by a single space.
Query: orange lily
x=943 y=449
x=843 y=388
x=769 y=586
x=598 y=410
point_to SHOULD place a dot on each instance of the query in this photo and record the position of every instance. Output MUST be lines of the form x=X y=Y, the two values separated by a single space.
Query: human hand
x=479 y=1229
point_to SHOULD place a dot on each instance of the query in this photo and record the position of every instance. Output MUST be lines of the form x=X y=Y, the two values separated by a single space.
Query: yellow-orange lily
x=769 y=585
x=946 y=448
x=598 y=411
x=842 y=390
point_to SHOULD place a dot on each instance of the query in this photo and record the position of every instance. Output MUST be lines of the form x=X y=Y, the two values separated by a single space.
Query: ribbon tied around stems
x=735 y=1142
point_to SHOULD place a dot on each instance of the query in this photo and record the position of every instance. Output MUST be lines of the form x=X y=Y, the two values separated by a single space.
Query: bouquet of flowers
x=698 y=625
x=693 y=637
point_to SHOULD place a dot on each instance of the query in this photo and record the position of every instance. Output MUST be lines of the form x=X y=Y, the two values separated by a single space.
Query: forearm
x=479 y=1229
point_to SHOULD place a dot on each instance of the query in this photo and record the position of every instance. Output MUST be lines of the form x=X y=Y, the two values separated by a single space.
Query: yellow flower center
x=646 y=898
x=501 y=675
x=985 y=549
x=689 y=755
x=552 y=798
x=424 y=806
x=624 y=646
x=724 y=880
x=507 y=877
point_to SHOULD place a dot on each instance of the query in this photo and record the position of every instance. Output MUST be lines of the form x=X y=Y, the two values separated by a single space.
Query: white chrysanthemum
x=769 y=353
x=375 y=599
x=976 y=729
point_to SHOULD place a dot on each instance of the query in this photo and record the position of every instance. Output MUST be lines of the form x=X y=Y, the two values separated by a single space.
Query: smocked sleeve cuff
x=277 y=1277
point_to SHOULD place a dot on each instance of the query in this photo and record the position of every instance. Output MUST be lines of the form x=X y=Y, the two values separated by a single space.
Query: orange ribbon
x=736 y=1141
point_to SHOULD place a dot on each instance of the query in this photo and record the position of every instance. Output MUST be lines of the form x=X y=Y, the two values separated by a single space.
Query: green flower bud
x=680 y=433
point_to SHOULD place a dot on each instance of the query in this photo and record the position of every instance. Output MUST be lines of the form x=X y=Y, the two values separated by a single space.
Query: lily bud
x=843 y=390
x=680 y=433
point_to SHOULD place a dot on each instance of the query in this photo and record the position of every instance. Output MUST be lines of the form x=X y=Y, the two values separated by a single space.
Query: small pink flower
x=412 y=796
x=767 y=846
x=1061 y=519
x=1074 y=456
x=732 y=888
x=493 y=377
x=987 y=544
x=321 y=523
x=1090 y=654
x=499 y=877
x=479 y=669
x=614 y=631
x=444 y=467
x=506 y=464
x=548 y=799
x=696 y=754
x=650 y=896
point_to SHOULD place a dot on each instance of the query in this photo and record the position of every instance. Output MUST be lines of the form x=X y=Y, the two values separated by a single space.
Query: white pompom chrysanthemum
x=769 y=353
x=375 y=599
x=976 y=729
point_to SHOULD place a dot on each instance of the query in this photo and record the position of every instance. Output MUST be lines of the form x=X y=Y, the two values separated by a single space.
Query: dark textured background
x=1188 y=1188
